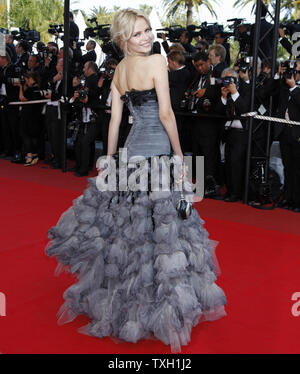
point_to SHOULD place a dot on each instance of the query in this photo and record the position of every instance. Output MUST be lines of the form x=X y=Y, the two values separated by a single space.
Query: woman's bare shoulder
x=157 y=59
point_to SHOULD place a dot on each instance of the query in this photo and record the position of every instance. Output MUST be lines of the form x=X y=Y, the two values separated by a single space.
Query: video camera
x=241 y=32
x=206 y=31
x=172 y=33
x=55 y=29
x=291 y=27
x=101 y=32
x=291 y=69
x=30 y=36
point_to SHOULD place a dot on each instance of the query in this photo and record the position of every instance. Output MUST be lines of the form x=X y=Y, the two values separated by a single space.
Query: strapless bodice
x=147 y=136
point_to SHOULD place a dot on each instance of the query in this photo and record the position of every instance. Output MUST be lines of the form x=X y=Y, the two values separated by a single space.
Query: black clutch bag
x=184 y=208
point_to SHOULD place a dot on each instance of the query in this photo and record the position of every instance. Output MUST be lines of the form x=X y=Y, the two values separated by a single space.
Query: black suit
x=179 y=81
x=266 y=44
x=236 y=141
x=85 y=144
x=89 y=56
x=286 y=44
x=218 y=69
x=289 y=138
x=206 y=130
x=11 y=140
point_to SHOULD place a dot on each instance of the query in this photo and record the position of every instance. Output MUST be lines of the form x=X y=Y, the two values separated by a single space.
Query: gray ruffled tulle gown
x=142 y=271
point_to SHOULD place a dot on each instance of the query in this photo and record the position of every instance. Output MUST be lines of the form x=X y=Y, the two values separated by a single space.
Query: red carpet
x=259 y=255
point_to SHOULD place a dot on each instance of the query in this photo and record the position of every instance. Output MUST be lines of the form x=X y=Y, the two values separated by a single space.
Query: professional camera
x=80 y=44
x=241 y=32
x=188 y=103
x=82 y=92
x=30 y=36
x=43 y=93
x=226 y=81
x=19 y=78
x=291 y=27
x=55 y=29
x=260 y=80
x=45 y=52
x=291 y=69
x=207 y=31
x=102 y=32
x=172 y=33
x=244 y=63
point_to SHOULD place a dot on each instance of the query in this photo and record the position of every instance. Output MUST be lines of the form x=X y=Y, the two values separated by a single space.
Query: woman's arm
x=166 y=114
x=115 y=120
x=21 y=94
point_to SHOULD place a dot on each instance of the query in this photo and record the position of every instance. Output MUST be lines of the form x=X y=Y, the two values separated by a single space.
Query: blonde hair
x=123 y=25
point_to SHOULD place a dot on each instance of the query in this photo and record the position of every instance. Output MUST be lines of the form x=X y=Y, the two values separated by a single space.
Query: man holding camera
x=11 y=147
x=53 y=115
x=289 y=135
x=206 y=129
x=88 y=98
x=235 y=100
x=22 y=50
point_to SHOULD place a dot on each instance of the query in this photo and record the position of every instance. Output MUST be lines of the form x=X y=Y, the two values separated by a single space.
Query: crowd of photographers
x=208 y=97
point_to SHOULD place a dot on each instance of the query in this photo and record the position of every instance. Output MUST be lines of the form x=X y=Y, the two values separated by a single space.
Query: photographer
x=74 y=30
x=206 y=130
x=179 y=80
x=235 y=100
x=220 y=38
x=88 y=99
x=289 y=135
x=91 y=54
x=50 y=61
x=31 y=117
x=22 y=50
x=10 y=113
x=53 y=115
x=10 y=44
x=185 y=39
x=284 y=41
x=217 y=57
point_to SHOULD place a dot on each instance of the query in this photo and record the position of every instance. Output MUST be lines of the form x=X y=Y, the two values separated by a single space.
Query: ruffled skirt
x=142 y=271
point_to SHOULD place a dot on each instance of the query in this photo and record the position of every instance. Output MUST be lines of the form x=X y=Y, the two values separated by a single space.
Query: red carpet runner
x=259 y=255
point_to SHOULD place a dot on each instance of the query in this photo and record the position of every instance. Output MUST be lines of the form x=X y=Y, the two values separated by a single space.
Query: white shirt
x=236 y=124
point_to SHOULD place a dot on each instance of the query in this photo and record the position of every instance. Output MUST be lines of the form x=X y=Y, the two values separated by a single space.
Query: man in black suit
x=10 y=128
x=10 y=44
x=217 y=56
x=205 y=130
x=179 y=81
x=235 y=100
x=266 y=36
x=91 y=54
x=289 y=138
x=74 y=30
x=90 y=128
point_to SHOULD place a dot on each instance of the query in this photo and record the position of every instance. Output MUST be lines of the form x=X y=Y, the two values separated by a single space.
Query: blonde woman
x=142 y=270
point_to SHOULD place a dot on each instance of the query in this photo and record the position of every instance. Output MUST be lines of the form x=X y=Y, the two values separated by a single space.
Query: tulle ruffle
x=142 y=271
